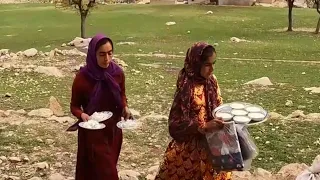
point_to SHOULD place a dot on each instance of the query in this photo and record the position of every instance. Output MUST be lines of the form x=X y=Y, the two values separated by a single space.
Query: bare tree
x=317 y=3
x=290 y=6
x=83 y=7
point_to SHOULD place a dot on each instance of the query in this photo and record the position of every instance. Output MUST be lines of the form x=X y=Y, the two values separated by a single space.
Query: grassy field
x=150 y=89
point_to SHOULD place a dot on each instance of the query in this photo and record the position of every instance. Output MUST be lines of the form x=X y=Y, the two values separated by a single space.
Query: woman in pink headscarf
x=99 y=86
x=197 y=95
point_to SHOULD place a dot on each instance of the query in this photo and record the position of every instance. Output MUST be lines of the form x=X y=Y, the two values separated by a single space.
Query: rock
x=215 y=44
x=50 y=71
x=42 y=165
x=129 y=175
x=289 y=103
x=35 y=178
x=292 y=170
x=14 y=159
x=121 y=63
x=135 y=113
x=150 y=177
x=3 y=158
x=4 y=51
x=315 y=90
x=126 y=43
x=52 y=53
x=264 y=81
x=261 y=173
x=80 y=42
x=63 y=45
x=153 y=170
x=313 y=116
x=21 y=112
x=170 y=23
x=55 y=107
x=13 y=178
x=42 y=112
x=7 y=95
x=237 y=40
x=155 y=117
x=302 y=107
x=73 y=52
x=209 y=12
x=26 y=159
x=59 y=165
x=61 y=119
x=30 y=52
x=296 y=114
x=241 y=175
x=275 y=116
x=56 y=176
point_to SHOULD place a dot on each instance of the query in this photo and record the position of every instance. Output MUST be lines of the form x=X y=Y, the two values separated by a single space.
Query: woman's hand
x=85 y=117
x=126 y=114
x=213 y=125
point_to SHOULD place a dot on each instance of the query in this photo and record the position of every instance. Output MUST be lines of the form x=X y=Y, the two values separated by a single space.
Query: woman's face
x=208 y=66
x=104 y=55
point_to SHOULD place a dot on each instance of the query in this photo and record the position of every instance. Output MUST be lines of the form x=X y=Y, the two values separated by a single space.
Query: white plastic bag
x=312 y=173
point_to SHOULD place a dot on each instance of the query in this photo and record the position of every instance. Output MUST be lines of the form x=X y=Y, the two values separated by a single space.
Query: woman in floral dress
x=197 y=94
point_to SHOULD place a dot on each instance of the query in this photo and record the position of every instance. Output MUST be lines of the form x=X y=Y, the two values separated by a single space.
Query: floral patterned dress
x=190 y=160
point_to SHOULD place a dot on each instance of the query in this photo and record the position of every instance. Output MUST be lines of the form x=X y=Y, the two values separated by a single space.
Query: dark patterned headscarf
x=181 y=123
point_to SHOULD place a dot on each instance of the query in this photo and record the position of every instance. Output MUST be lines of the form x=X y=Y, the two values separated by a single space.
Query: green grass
x=146 y=26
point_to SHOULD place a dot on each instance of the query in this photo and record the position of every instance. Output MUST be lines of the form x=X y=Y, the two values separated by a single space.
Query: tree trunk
x=318 y=26
x=83 y=24
x=290 y=5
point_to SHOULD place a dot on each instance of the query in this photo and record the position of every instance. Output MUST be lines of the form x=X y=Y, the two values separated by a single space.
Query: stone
x=315 y=90
x=63 y=45
x=52 y=53
x=50 y=71
x=241 y=175
x=7 y=95
x=153 y=170
x=313 y=116
x=4 y=51
x=121 y=63
x=302 y=107
x=170 y=23
x=13 y=178
x=135 y=113
x=73 y=52
x=261 y=173
x=126 y=43
x=209 y=12
x=21 y=112
x=56 y=176
x=14 y=159
x=292 y=170
x=289 y=103
x=61 y=120
x=275 y=116
x=30 y=52
x=42 y=112
x=296 y=114
x=3 y=158
x=42 y=165
x=150 y=177
x=264 y=81
x=25 y=159
x=35 y=178
x=80 y=42
x=55 y=106
x=129 y=175
x=59 y=165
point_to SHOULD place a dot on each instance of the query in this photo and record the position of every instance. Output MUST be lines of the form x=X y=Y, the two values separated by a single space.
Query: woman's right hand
x=213 y=125
x=85 y=117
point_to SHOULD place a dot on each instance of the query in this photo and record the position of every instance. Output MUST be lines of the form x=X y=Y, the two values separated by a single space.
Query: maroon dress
x=98 y=150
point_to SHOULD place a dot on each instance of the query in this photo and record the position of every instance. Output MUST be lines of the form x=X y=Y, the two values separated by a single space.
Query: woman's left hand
x=126 y=114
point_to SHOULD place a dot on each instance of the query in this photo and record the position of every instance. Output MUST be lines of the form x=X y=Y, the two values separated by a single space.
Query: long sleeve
x=122 y=85
x=76 y=98
x=181 y=129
